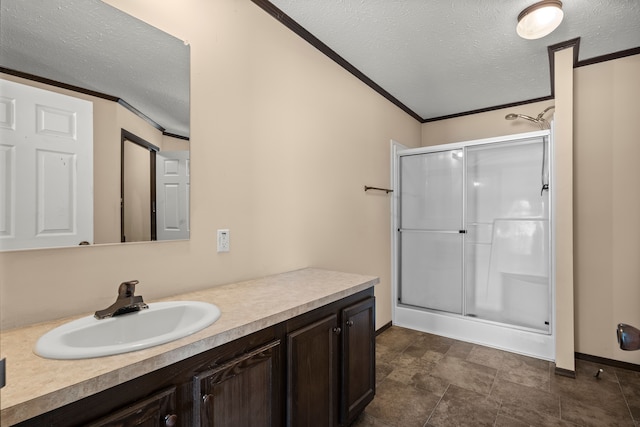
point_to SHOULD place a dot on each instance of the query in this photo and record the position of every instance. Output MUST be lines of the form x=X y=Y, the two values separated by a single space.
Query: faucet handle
x=127 y=289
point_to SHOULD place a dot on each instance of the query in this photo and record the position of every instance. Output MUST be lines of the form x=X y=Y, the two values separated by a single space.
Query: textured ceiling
x=90 y=44
x=447 y=57
x=437 y=57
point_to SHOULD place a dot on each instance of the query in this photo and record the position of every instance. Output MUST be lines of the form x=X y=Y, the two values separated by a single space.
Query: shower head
x=513 y=116
x=539 y=119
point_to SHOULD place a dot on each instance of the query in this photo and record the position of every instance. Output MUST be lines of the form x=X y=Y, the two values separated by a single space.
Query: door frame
x=396 y=149
x=128 y=136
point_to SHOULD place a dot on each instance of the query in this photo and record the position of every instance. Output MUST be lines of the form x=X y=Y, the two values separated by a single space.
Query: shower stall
x=473 y=242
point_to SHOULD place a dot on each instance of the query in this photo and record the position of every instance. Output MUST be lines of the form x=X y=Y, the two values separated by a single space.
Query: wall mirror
x=127 y=76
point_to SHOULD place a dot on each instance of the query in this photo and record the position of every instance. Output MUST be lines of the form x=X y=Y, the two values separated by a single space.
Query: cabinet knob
x=349 y=322
x=337 y=330
x=171 y=420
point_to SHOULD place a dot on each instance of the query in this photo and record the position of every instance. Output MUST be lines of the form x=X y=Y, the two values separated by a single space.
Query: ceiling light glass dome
x=539 y=19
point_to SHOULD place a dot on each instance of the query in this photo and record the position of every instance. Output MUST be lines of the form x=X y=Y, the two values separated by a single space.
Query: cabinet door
x=156 y=411
x=358 y=359
x=312 y=371
x=239 y=393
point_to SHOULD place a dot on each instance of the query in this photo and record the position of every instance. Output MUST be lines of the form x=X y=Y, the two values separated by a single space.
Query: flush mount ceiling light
x=539 y=19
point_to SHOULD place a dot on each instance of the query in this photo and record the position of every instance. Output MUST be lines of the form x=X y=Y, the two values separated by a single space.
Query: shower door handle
x=462 y=231
x=544 y=187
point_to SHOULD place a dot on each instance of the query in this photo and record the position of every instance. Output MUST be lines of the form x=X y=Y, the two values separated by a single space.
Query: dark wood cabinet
x=316 y=369
x=238 y=393
x=312 y=374
x=358 y=359
x=331 y=365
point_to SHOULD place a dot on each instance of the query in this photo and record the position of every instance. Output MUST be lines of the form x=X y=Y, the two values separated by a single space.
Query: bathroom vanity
x=292 y=349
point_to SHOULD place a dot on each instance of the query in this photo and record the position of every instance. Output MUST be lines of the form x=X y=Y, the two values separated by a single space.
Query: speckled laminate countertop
x=36 y=385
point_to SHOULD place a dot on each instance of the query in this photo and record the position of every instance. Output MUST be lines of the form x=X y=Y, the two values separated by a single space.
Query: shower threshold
x=516 y=339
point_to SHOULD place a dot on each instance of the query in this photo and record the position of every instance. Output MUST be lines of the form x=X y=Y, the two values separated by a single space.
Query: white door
x=172 y=195
x=46 y=168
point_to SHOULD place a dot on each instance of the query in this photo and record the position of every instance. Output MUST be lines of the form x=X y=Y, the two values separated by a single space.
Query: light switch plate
x=223 y=240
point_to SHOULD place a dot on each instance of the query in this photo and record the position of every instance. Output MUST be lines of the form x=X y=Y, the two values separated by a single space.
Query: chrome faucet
x=126 y=302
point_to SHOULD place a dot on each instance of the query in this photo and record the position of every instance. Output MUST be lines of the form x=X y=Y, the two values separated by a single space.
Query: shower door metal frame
x=507 y=334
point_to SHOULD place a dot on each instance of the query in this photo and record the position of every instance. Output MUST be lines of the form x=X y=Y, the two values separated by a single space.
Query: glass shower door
x=507 y=241
x=430 y=241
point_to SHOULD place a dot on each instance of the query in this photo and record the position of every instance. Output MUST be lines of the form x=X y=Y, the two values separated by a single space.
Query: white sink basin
x=162 y=322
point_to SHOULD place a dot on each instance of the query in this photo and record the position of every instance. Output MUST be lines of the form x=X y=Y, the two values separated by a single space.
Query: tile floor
x=431 y=381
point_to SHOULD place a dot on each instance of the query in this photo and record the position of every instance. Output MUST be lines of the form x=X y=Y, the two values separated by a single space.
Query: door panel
x=7 y=191
x=55 y=192
x=431 y=270
x=428 y=177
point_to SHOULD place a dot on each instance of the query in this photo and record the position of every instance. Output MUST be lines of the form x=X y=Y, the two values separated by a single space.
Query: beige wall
x=564 y=212
x=170 y=143
x=282 y=142
x=607 y=205
x=606 y=199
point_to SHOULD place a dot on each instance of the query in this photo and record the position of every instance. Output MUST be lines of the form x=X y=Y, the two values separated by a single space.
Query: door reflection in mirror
x=138 y=189
x=46 y=168
x=172 y=195
x=154 y=192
